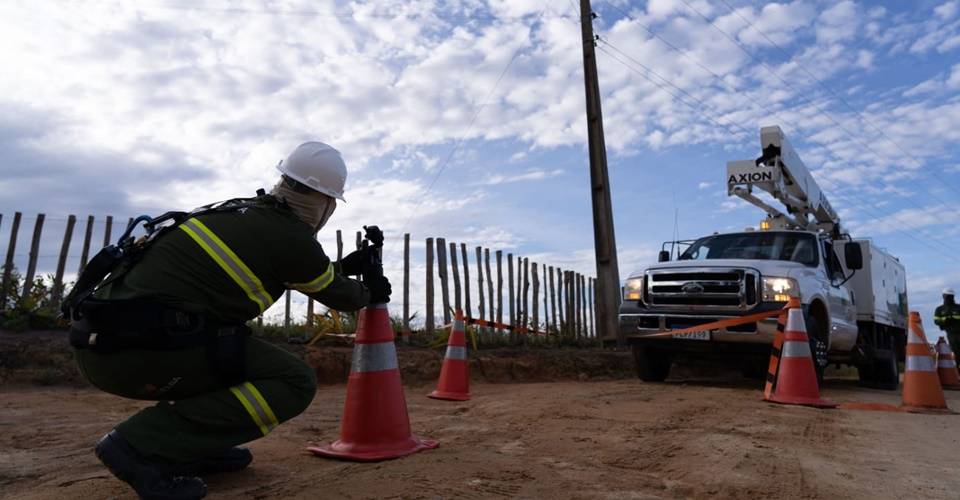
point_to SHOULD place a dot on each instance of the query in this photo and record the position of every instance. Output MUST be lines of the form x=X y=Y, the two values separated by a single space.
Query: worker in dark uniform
x=171 y=328
x=947 y=317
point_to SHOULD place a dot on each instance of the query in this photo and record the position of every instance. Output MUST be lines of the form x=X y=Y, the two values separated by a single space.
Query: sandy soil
x=607 y=439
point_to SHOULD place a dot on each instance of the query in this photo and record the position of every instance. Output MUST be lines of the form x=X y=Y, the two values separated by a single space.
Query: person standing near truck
x=169 y=325
x=947 y=317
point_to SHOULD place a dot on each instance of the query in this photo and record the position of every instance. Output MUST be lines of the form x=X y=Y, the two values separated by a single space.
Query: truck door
x=843 y=313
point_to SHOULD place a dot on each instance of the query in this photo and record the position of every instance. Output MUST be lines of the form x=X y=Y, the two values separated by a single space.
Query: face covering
x=313 y=208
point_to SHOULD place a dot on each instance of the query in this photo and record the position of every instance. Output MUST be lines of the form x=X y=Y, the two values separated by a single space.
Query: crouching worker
x=168 y=324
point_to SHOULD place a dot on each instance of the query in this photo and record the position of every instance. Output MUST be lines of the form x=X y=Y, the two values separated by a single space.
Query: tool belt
x=111 y=326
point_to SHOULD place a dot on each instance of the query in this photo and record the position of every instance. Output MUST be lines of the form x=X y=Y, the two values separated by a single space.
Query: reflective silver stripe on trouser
x=374 y=357
x=947 y=363
x=456 y=352
x=796 y=349
x=375 y=306
x=920 y=364
x=458 y=325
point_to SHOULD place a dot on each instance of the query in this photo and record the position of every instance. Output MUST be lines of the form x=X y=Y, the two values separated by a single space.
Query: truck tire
x=652 y=365
x=818 y=346
x=881 y=372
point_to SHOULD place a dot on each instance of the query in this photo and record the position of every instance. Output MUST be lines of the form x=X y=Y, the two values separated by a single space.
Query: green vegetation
x=37 y=311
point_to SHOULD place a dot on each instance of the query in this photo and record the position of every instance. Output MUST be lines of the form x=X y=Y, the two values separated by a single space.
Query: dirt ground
x=593 y=439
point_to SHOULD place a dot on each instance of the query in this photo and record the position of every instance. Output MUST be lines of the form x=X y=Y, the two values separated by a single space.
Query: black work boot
x=150 y=479
x=230 y=460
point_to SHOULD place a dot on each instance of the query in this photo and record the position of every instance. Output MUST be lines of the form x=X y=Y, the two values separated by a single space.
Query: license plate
x=704 y=335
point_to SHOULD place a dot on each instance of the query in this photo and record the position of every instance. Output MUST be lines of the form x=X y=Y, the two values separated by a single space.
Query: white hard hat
x=317 y=166
x=948 y=291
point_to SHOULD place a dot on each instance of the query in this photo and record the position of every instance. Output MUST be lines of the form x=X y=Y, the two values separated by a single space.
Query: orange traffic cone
x=375 y=424
x=947 y=366
x=921 y=385
x=454 y=384
x=797 y=381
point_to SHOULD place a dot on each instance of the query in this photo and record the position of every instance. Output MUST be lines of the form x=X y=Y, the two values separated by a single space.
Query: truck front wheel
x=818 y=346
x=653 y=365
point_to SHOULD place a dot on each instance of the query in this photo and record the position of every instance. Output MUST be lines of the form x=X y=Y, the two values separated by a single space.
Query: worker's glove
x=355 y=263
x=380 y=289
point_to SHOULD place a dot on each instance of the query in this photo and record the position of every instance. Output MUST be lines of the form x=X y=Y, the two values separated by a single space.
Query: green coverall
x=947 y=317
x=230 y=266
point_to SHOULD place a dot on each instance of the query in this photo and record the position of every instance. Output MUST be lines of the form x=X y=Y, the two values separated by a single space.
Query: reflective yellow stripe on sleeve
x=228 y=261
x=317 y=284
x=256 y=406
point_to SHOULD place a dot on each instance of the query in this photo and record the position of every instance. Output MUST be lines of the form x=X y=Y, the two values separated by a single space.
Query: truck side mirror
x=664 y=256
x=853 y=254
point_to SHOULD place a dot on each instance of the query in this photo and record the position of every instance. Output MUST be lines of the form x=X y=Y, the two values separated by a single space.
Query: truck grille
x=716 y=289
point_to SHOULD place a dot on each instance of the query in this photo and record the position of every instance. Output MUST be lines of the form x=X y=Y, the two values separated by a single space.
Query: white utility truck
x=854 y=294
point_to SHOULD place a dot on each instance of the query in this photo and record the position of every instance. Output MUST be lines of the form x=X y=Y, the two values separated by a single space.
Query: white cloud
x=704 y=185
x=530 y=175
x=839 y=22
x=947 y=10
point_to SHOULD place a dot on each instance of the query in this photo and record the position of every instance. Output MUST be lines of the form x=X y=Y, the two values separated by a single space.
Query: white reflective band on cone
x=795 y=321
x=458 y=325
x=943 y=349
x=913 y=338
x=920 y=364
x=374 y=357
x=947 y=363
x=796 y=349
x=456 y=352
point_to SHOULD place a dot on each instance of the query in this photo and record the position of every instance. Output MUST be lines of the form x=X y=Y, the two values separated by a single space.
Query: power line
x=662 y=86
x=799 y=93
x=835 y=94
x=753 y=103
x=473 y=119
x=945 y=251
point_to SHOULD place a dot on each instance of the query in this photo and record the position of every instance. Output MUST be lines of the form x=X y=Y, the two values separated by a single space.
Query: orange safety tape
x=775 y=352
x=716 y=325
x=500 y=326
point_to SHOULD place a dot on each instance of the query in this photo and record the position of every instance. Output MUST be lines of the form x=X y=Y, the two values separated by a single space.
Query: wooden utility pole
x=605 y=244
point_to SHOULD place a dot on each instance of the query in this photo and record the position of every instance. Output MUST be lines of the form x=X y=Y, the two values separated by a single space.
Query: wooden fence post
x=535 y=325
x=480 y=301
x=511 y=290
x=286 y=312
x=455 y=267
x=526 y=293
x=581 y=306
x=568 y=292
x=85 y=251
x=593 y=331
x=8 y=263
x=553 y=298
x=466 y=280
x=442 y=273
x=546 y=311
x=339 y=244
x=108 y=230
x=406 y=283
x=62 y=261
x=359 y=239
x=34 y=254
x=429 y=325
x=486 y=259
x=500 y=287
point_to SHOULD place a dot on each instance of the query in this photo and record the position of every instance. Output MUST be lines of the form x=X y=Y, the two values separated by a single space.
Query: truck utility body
x=853 y=293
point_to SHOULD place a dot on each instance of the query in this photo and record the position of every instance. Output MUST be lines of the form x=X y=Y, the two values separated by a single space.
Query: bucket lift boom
x=781 y=173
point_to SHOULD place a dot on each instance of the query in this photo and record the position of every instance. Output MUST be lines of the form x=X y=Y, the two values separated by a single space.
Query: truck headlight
x=779 y=289
x=633 y=289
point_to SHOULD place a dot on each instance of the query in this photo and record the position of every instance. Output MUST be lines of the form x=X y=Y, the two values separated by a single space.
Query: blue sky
x=123 y=108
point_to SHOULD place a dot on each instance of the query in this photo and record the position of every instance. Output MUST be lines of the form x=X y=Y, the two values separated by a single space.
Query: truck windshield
x=794 y=247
